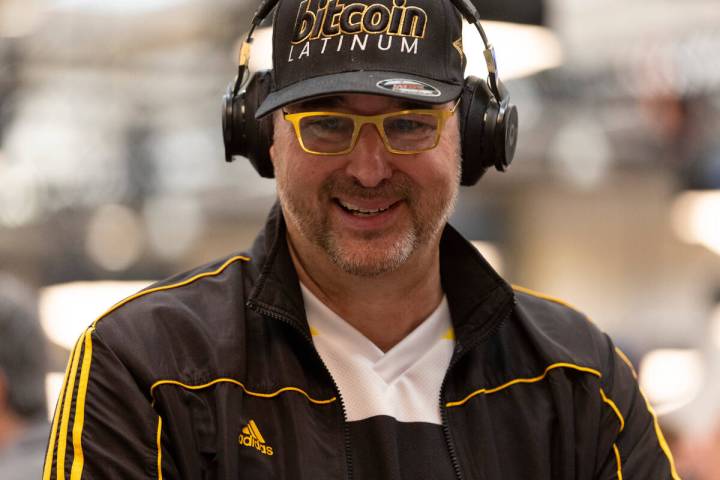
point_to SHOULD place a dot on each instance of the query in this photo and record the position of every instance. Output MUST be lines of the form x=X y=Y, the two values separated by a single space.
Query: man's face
x=368 y=210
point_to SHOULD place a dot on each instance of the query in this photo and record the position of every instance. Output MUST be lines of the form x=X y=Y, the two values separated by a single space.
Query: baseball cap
x=409 y=49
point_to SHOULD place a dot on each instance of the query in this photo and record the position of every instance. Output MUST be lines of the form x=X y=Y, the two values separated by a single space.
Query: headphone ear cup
x=478 y=111
x=242 y=133
x=227 y=122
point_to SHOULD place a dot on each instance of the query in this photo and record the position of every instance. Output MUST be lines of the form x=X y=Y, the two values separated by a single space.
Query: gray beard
x=395 y=256
x=428 y=219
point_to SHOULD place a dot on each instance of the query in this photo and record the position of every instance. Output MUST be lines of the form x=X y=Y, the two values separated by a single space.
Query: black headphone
x=488 y=121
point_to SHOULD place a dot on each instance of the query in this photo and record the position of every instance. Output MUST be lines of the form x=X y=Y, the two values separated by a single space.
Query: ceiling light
x=521 y=50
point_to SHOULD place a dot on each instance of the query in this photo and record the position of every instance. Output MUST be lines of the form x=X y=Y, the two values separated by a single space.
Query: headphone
x=488 y=121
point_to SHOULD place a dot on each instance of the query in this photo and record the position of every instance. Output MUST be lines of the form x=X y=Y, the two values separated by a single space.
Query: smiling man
x=361 y=337
x=364 y=227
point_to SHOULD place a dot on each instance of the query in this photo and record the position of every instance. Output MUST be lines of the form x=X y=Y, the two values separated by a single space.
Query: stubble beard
x=375 y=253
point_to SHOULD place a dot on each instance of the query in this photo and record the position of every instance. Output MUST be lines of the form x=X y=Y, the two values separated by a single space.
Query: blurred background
x=112 y=173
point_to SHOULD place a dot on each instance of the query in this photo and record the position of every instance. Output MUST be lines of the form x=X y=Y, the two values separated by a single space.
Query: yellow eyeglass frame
x=359 y=121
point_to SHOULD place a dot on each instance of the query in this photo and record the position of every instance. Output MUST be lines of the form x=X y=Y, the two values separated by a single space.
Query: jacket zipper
x=443 y=409
x=446 y=428
x=346 y=430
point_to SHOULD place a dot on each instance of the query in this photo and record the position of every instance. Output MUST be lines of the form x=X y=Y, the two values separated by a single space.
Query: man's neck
x=384 y=308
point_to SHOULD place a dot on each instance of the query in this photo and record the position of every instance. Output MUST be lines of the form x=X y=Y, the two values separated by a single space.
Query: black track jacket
x=213 y=374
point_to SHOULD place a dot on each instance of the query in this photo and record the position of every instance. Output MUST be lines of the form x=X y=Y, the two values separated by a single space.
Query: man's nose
x=369 y=161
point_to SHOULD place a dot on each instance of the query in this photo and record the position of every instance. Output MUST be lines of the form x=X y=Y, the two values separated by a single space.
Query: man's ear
x=273 y=152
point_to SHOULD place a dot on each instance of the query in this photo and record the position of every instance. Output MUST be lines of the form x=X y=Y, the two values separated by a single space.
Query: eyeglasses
x=335 y=133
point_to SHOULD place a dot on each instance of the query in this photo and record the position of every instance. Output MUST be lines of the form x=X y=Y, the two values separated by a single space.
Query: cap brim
x=398 y=85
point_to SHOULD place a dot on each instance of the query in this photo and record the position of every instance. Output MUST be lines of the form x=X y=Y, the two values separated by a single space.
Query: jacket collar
x=277 y=290
x=478 y=297
x=476 y=294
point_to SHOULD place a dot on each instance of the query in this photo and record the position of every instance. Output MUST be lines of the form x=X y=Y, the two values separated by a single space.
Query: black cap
x=410 y=49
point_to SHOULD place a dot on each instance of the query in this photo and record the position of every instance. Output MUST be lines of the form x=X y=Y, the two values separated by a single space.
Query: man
x=23 y=410
x=361 y=336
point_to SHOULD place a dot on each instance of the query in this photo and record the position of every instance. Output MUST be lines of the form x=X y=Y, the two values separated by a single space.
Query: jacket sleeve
x=104 y=425
x=633 y=445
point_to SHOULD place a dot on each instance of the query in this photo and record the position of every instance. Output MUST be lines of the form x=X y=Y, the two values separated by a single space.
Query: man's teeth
x=361 y=211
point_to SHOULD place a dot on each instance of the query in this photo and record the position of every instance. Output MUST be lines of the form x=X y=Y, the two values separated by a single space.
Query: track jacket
x=213 y=374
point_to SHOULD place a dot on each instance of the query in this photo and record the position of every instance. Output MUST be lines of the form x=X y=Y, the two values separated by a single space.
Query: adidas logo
x=251 y=437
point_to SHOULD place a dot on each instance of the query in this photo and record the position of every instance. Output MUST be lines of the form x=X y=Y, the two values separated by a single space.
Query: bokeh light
x=66 y=310
x=671 y=378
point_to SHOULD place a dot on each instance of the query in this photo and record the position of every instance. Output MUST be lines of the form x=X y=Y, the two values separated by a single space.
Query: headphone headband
x=488 y=121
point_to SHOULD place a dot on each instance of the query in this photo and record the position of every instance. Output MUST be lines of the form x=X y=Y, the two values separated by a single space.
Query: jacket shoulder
x=193 y=290
x=184 y=316
x=561 y=333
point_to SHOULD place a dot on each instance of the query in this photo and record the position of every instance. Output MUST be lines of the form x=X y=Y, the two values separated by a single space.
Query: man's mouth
x=363 y=211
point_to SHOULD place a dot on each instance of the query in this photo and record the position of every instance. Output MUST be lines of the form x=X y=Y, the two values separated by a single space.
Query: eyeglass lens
x=327 y=133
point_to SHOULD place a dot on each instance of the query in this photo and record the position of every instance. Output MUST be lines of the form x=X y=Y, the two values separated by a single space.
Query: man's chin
x=364 y=267
x=371 y=257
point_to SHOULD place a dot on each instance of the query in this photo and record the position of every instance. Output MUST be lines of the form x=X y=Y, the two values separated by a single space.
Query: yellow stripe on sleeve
x=58 y=409
x=159 y=448
x=79 y=459
x=661 y=438
x=85 y=344
x=619 y=462
x=69 y=394
x=658 y=431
